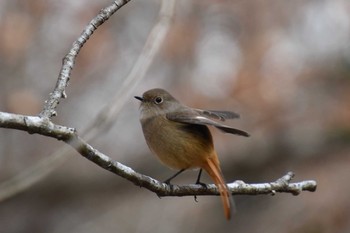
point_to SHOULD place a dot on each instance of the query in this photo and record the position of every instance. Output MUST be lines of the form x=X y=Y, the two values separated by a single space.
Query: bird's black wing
x=189 y=116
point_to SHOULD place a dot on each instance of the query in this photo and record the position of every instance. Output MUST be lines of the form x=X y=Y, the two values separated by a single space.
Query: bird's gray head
x=157 y=102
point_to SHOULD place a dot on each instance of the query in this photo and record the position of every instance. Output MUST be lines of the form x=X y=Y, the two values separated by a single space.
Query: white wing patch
x=201 y=118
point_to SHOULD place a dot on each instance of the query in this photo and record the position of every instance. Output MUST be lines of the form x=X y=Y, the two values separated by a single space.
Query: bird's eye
x=158 y=100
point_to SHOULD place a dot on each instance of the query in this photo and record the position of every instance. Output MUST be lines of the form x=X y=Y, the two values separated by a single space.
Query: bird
x=179 y=136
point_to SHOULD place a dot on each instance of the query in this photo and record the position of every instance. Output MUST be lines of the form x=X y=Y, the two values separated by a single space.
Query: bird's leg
x=198 y=181
x=167 y=181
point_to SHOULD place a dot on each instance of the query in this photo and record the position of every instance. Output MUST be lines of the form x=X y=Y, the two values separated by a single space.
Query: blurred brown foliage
x=283 y=65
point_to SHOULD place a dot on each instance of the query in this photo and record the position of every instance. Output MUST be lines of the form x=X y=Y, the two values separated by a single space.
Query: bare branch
x=35 y=124
x=238 y=187
x=107 y=115
x=59 y=92
x=161 y=189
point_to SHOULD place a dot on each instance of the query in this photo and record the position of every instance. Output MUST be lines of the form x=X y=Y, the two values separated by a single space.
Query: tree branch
x=35 y=124
x=161 y=189
x=59 y=92
x=106 y=116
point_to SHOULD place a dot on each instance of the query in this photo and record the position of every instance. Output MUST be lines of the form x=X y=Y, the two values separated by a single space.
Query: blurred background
x=284 y=66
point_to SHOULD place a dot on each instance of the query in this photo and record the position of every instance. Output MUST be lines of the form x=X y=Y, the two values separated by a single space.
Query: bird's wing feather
x=217 y=115
x=189 y=116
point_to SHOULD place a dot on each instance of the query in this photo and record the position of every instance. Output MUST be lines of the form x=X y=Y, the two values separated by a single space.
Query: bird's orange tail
x=212 y=167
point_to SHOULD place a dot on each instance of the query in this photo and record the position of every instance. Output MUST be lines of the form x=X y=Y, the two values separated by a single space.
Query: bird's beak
x=139 y=98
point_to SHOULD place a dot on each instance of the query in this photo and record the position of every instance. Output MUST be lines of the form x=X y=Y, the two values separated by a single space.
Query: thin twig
x=59 y=92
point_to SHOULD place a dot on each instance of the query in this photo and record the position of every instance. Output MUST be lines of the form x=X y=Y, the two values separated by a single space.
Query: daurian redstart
x=179 y=136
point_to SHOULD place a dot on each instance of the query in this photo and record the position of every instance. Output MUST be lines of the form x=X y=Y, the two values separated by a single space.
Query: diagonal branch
x=161 y=189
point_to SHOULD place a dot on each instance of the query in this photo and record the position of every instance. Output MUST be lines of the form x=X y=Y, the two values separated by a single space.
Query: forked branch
x=44 y=126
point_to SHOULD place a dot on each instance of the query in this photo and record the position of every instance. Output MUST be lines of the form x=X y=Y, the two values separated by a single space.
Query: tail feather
x=212 y=167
